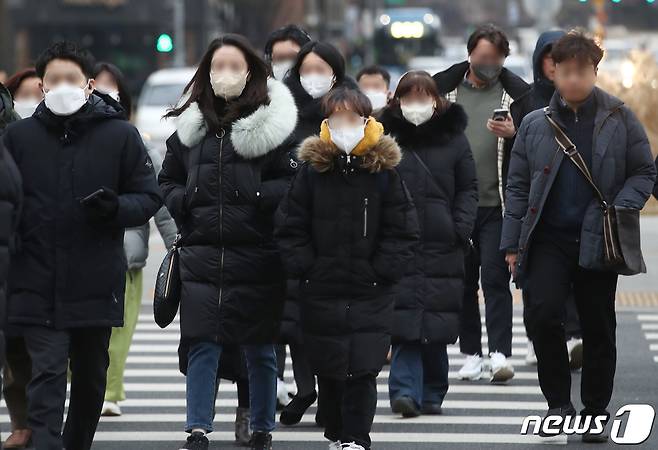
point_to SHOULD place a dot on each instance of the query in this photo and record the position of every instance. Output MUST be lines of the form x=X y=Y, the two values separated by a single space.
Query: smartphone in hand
x=91 y=197
x=500 y=114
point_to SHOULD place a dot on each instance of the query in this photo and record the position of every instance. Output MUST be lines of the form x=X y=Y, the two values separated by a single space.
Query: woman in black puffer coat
x=346 y=229
x=225 y=171
x=438 y=168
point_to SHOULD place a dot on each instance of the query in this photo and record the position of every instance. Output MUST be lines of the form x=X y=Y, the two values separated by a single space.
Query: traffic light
x=164 y=44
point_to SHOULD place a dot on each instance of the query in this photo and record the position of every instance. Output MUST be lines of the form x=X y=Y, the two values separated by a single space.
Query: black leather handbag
x=168 y=287
x=622 y=252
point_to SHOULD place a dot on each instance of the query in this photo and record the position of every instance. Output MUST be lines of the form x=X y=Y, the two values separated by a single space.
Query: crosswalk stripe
x=453 y=389
x=306 y=436
x=647 y=317
x=141 y=337
x=173 y=349
x=649 y=326
x=651 y=336
x=288 y=373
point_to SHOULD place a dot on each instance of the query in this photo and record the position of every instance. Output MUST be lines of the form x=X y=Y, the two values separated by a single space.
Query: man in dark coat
x=482 y=85
x=553 y=226
x=86 y=177
x=539 y=96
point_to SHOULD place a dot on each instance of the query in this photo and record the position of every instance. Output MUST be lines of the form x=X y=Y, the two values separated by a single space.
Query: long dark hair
x=216 y=111
x=125 y=99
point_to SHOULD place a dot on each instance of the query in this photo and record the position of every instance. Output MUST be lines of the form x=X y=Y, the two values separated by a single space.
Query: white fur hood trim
x=254 y=135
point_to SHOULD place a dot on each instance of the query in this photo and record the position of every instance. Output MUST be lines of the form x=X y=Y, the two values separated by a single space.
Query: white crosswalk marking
x=649 y=326
x=474 y=412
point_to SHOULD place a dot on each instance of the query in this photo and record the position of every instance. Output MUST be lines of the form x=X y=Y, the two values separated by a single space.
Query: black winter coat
x=222 y=189
x=69 y=272
x=346 y=229
x=428 y=298
x=11 y=200
x=309 y=118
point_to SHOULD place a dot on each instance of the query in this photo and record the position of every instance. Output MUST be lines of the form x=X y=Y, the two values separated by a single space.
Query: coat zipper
x=365 y=217
x=220 y=136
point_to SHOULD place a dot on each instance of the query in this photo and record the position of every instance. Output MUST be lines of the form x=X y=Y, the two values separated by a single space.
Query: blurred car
x=161 y=92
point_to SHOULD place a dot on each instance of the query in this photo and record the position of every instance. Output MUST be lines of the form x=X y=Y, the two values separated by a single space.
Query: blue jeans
x=203 y=360
x=419 y=371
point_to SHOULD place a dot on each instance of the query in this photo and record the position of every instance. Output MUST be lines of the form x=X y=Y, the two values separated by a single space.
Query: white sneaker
x=282 y=394
x=531 y=357
x=472 y=369
x=575 y=349
x=335 y=445
x=110 y=409
x=351 y=446
x=501 y=370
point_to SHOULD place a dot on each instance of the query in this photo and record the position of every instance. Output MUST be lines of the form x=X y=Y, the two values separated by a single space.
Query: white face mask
x=280 y=69
x=378 y=99
x=228 y=84
x=418 y=113
x=25 y=108
x=65 y=99
x=316 y=85
x=346 y=138
x=108 y=91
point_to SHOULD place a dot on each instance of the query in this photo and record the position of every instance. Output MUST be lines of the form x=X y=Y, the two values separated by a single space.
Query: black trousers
x=50 y=351
x=348 y=408
x=552 y=271
x=495 y=277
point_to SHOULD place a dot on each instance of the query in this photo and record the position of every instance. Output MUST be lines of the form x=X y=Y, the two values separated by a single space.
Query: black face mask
x=487 y=72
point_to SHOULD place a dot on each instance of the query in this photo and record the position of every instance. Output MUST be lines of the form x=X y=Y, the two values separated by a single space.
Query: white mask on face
x=65 y=99
x=25 y=108
x=228 y=84
x=108 y=91
x=316 y=85
x=346 y=138
x=418 y=113
x=280 y=69
x=378 y=99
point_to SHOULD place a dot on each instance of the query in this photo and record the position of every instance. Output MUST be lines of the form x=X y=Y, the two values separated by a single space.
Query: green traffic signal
x=165 y=43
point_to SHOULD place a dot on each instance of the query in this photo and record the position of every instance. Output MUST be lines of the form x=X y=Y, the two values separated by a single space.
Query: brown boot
x=19 y=439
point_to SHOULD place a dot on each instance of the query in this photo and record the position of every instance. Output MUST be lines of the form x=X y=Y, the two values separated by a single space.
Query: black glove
x=103 y=207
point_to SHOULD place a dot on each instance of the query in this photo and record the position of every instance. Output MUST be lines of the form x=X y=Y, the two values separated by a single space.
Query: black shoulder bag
x=168 y=287
x=621 y=226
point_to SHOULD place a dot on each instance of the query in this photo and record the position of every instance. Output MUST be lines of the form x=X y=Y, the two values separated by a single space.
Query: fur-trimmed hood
x=323 y=156
x=440 y=129
x=254 y=135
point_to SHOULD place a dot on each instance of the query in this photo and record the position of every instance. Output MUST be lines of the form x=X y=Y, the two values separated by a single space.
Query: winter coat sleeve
x=163 y=221
x=139 y=195
x=640 y=167
x=277 y=171
x=399 y=231
x=518 y=189
x=293 y=225
x=465 y=204
x=172 y=179
x=11 y=200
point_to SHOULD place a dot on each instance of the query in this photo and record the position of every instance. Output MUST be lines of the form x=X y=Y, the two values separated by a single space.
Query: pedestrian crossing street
x=474 y=412
x=649 y=325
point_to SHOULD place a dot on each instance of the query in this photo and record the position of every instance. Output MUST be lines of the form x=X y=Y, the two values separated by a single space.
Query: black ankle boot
x=261 y=441
x=293 y=411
